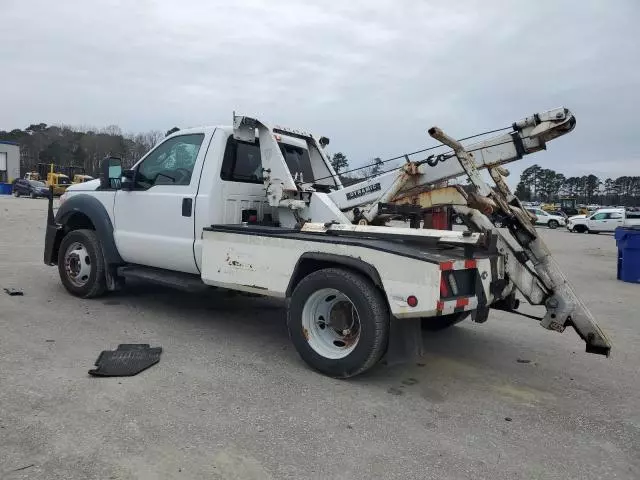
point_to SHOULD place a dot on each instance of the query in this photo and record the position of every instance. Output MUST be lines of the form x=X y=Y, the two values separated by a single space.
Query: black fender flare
x=312 y=261
x=94 y=210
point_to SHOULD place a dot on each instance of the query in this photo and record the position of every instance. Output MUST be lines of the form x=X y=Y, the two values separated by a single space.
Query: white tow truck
x=259 y=209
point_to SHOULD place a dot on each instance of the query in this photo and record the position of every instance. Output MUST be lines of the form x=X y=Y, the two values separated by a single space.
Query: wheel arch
x=310 y=262
x=84 y=212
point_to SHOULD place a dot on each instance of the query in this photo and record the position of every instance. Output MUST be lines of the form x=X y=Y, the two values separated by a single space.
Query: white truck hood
x=90 y=185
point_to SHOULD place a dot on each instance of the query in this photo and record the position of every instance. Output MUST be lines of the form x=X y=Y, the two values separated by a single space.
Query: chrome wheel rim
x=330 y=323
x=77 y=264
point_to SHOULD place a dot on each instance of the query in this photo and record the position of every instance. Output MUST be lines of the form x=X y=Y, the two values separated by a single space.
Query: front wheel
x=32 y=195
x=553 y=224
x=338 y=322
x=81 y=264
x=16 y=193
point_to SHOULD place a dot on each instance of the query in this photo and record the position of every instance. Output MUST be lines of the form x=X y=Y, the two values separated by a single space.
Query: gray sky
x=371 y=75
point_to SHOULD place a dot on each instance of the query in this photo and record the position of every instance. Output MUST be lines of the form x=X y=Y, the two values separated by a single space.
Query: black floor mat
x=127 y=360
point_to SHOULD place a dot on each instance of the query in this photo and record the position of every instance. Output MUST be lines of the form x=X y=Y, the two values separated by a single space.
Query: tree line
x=340 y=164
x=546 y=185
x=80 y=147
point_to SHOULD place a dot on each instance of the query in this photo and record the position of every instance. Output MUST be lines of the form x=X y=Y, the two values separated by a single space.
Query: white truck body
x=603 y=220
x=260 y=210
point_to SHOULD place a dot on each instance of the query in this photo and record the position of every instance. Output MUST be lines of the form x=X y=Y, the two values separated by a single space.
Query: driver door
x=598 y=222
x=154 y=221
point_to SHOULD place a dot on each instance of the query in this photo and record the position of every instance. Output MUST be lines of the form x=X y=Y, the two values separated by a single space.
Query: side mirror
x=110 y=173
x=324 y=141
x=128 y=179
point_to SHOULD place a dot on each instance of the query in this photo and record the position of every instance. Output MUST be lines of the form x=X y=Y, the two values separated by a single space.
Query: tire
x=320 y=345
x=435 y=324
x=580 y=229
x=553 y=224
x=16 y=193
x=32 y=195
x=81 y=264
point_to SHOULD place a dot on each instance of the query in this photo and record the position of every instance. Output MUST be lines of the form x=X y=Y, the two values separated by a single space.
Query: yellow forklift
x=59 y=181
x=566 y=205
x=77 y=174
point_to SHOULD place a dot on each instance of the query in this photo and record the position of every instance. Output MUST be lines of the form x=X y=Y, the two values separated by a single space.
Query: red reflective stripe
x=446 y=266
x=469 y=264
x=444 y=291
x=462 y=302
x=440 y=306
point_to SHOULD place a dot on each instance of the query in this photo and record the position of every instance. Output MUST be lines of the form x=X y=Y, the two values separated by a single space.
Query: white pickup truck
x=603 y=220
x=260 y=210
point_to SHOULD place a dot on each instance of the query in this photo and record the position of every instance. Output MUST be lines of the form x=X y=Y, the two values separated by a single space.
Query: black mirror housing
x=110 y=173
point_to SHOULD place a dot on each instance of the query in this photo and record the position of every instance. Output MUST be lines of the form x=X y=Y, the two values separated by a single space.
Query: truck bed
x=267 y=261
x=426 y=251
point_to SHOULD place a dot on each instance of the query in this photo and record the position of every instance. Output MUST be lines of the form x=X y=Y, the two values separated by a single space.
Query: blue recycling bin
x=628 y=242
x=5 y=188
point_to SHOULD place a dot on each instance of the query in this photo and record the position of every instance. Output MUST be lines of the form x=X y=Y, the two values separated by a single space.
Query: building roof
x=7 y=142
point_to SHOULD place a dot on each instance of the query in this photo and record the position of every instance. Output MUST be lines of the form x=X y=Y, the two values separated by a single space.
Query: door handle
x=187 y=207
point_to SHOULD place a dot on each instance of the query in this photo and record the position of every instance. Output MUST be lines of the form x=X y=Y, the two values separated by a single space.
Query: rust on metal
x=452 y=195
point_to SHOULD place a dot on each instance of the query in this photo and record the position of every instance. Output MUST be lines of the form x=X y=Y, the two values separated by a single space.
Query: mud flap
x=405 y=341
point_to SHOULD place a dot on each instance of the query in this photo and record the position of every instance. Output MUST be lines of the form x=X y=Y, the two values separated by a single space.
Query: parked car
x=546 y=218
x=31 y=188
x=603 y=220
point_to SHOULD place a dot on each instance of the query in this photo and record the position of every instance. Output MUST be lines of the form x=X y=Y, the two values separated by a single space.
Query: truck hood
x=90 y=185
x=577 y=217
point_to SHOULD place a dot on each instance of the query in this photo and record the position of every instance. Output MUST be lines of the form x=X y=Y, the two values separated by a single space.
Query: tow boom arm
x=528 y=261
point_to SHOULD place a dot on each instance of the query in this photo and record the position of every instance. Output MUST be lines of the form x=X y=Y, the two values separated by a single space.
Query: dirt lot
x=231 y=399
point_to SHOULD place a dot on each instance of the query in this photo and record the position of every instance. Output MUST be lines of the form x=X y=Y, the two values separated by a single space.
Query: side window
x=298 y=162
x=599 y=216
x=171 y=163
x=615 y=215
x=241 y=162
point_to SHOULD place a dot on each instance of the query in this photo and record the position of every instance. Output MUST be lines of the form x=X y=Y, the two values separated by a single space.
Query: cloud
x=373 y=76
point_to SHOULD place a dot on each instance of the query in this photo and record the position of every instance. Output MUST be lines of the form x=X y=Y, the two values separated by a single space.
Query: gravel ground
x=230 y=398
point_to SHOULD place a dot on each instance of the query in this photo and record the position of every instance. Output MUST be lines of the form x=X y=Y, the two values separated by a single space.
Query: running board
x=187 y=282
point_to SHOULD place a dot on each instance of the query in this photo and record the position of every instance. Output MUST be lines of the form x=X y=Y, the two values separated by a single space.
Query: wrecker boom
x=528 y=262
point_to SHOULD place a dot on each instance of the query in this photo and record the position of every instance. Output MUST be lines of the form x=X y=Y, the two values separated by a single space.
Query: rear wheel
x=32 y=195
x=434 y=324
x=553 y=224
x=81 y=264
x=16 y=193
x=339 y=322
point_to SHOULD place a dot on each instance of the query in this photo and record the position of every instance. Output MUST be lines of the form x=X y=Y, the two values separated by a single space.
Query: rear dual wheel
x=338 y=322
